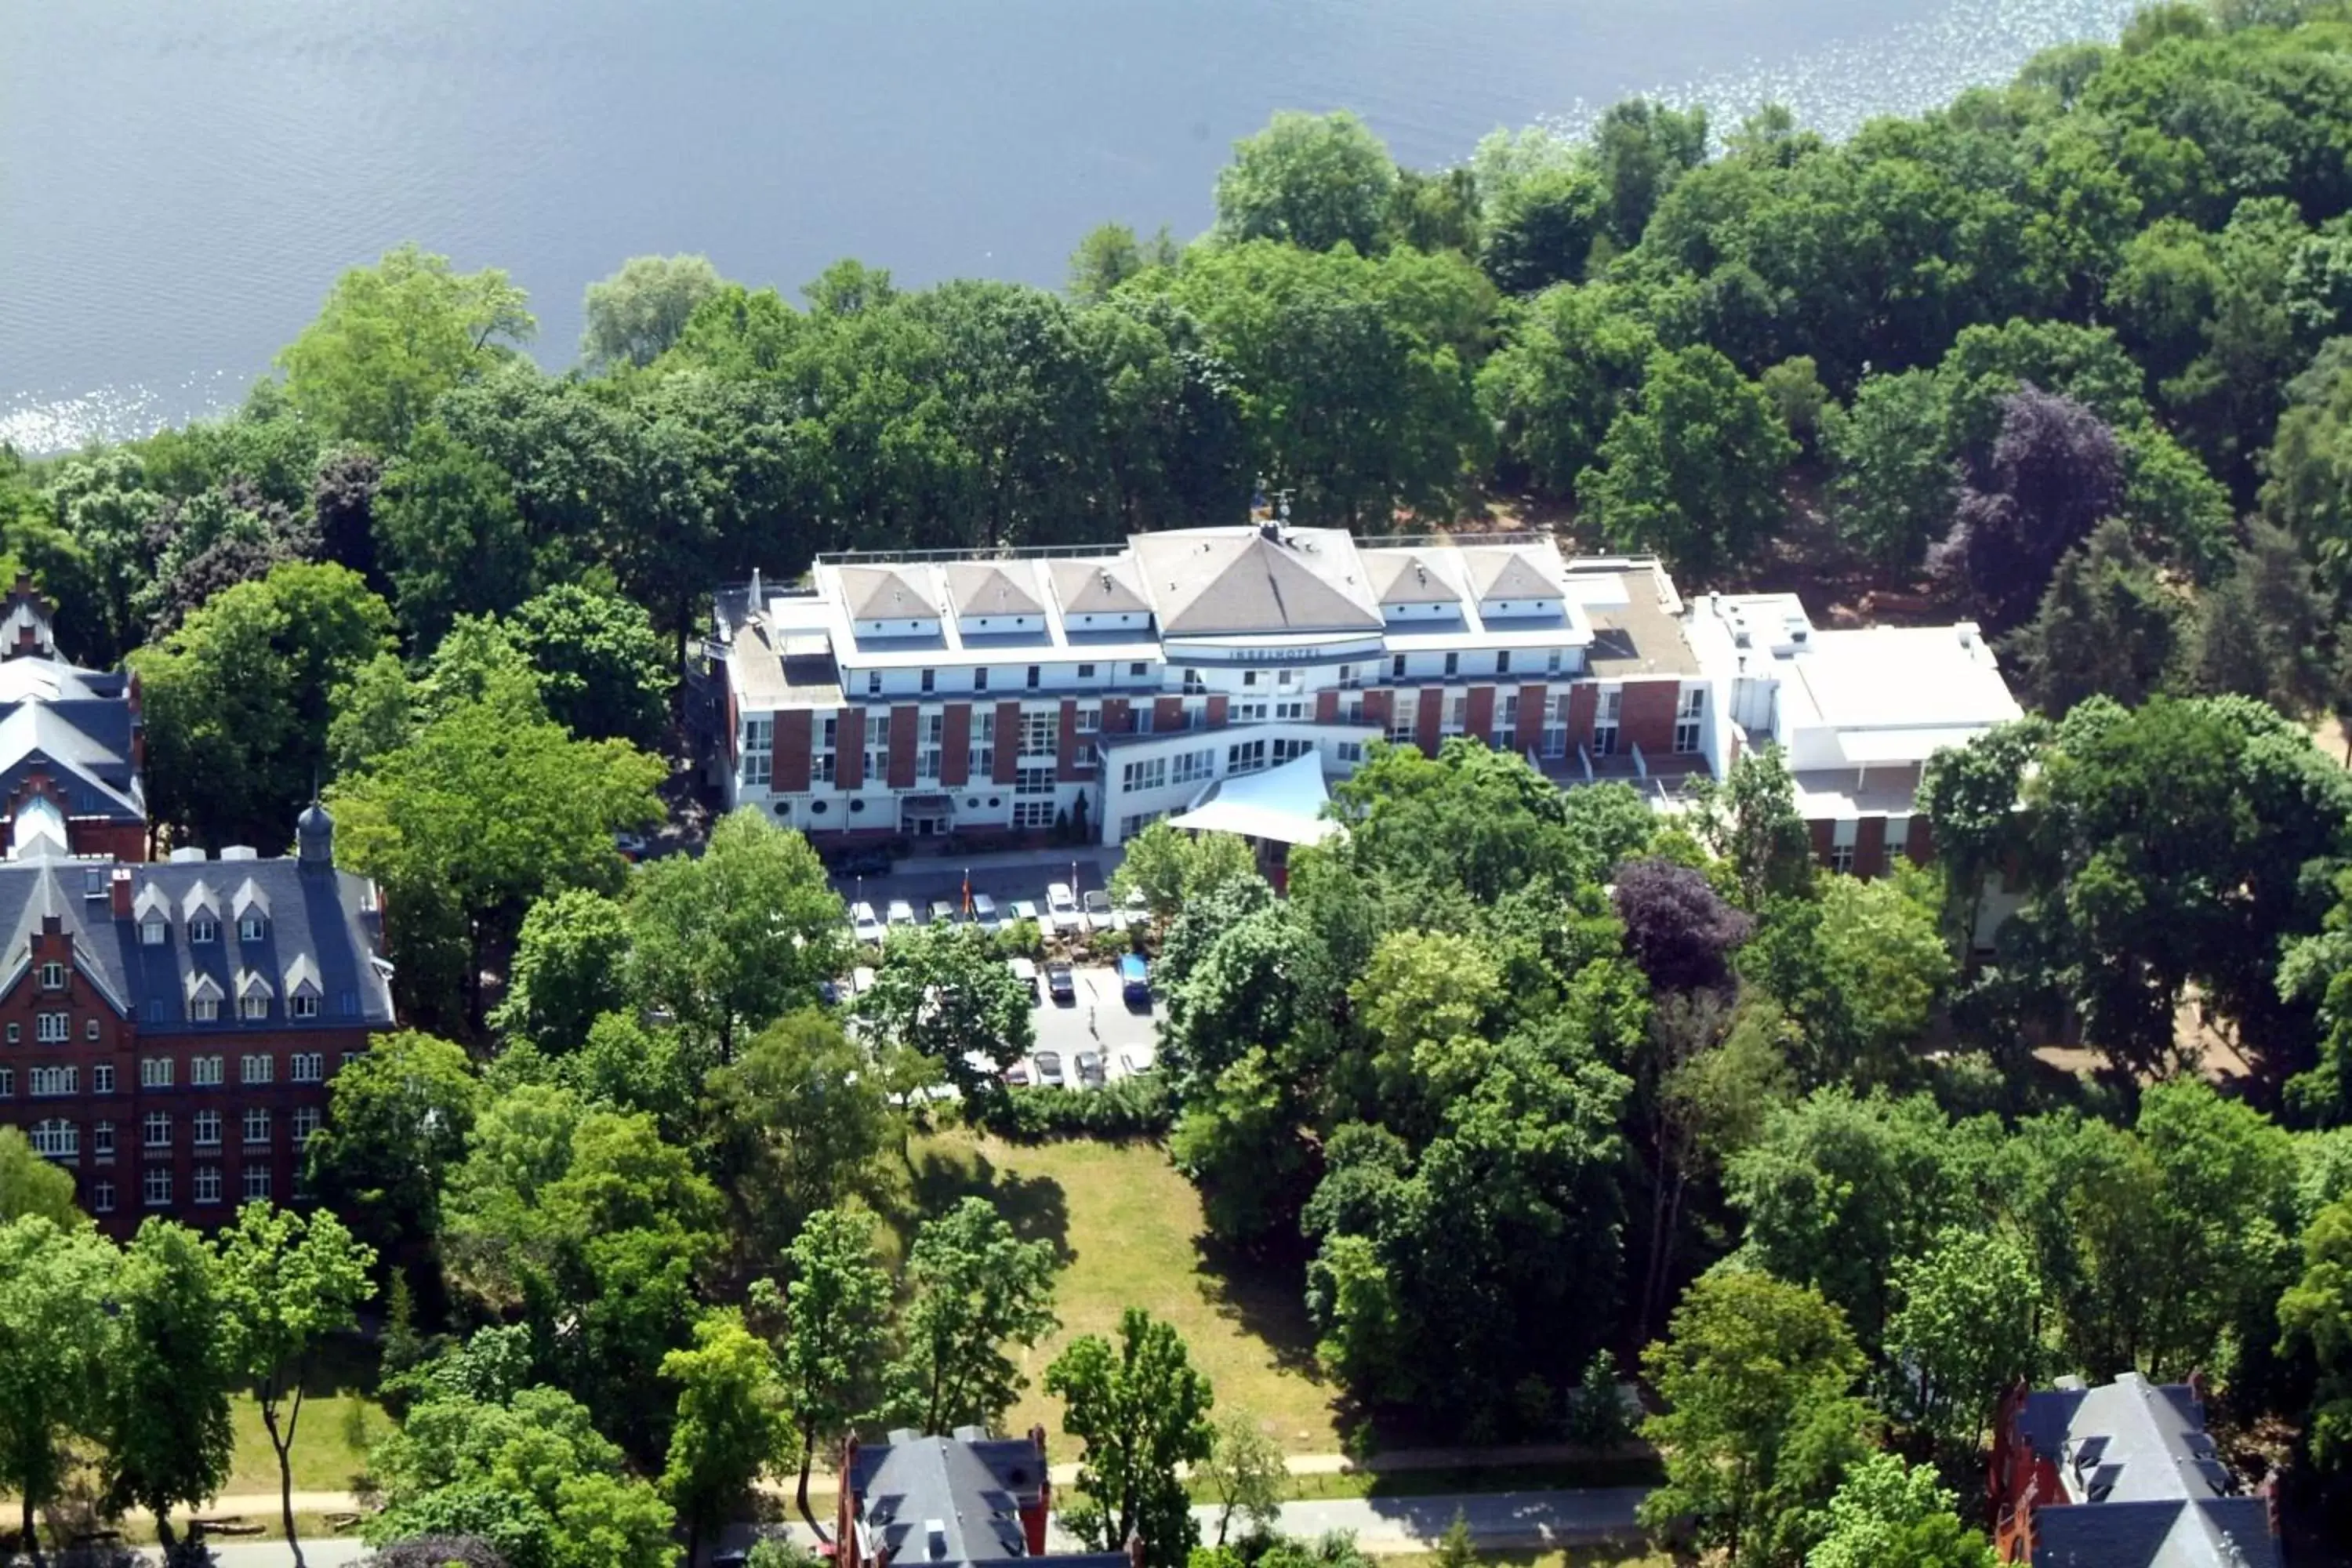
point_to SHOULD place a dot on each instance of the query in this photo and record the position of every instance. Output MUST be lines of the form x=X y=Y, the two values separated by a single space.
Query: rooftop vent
x=935 y=1540
x=240 y=852
x=189 y=856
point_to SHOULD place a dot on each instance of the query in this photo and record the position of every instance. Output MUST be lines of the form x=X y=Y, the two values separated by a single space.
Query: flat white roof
x=1894 y=679
x=1284 y=805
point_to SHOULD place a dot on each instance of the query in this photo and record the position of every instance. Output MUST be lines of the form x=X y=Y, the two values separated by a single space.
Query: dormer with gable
x=151 y=910
x=996 y=598
x=250 y=909
x=887 y=602
x=200 y=911
x=1412 y=587
x=204 y=997
x=1512 y=583
x=253 y=996
x=304 y=990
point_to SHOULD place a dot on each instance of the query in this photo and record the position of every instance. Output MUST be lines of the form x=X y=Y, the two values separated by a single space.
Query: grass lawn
x=330 y=1444
x=1129 y=1230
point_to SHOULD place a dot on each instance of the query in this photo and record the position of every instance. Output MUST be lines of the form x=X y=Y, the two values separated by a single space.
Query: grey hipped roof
x=885 y=593
x=972 y=1486
x=1407 y=577
x=1105 y=587
x=1500 y=572
x=994 y=588
x=320 y=921
x=83 y=745
x=1208 y=581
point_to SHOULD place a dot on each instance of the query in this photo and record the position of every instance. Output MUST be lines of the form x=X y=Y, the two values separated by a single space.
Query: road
x=1382 y=1526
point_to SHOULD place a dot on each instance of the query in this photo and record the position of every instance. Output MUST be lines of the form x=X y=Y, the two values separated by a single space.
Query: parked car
x=632 y=846
x=983 y=914
x=1090 y=1069
x=1018 y=1075
x=1135 y=980
x=1096 y=906
x=1025 y=910
x=902 y=913
x=1049 y=1069
x=943 y=914
x=1024 y=972
x=1138 y=1058
x=1061 y=984
x=863 y=924
x=1134 y=912
x=1062 y=909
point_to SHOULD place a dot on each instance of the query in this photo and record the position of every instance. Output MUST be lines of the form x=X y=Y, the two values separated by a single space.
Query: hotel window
x=1503 y=662
x=57 y=1140
x=878 y=746
x=1843 y=834
x=203 y=1127
x=1137 y=671
x=101 y=1197
x=204 y=1183
x=873 y=682
x=306 y=1067
x=759 y=752
x=1249 y=712
x=1290 y=750
x=56 y=1028
x=204 y=1072
x=1038 y=732
x=1150 y=774
x=935 y=734
x=1193 y=684
x=930 y=679
x=155 y=1072
x=50 y=1082
x=1396 y=668
x=258 y=1068
x=1090 y=719
x=1034 y=673
x=53 y=977
x=1551 y=661
x=253 y=1006
x=1842 y=859
x=821 y=764
x=1688 y=718
x=1604 y=726
x=1349 y=751
x=156 y=1186
x=1032 y=781
x=1348 y=681
x=1296 y=710
x=1898 y=839
x=305 y=1004
x=202 y=928
x=1453 y=663
x=1245 y=758
x=90 y=1028
x=1085 y=672
x=101 y=1078
x=102 y=1140
x=256 y=1184
x=980 y=678
x=257 y=1124
x=156 y=1130
x=1457 y=716
x=306 y=1122
x=1192 y=767
x=1401 y=721
x=1507 y=731
x=7 y=1083
x=983 y=744
x=1033 y=813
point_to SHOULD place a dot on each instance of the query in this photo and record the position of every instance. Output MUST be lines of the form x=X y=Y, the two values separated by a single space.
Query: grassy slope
x=324 y=1456
x=1127 y=1228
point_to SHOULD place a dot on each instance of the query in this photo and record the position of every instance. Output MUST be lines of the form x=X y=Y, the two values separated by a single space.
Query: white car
x=1138 y=1058
x=1025 y=910
x=1049 y=1069
x=902 y=913
x=863 y=924
x=1062 y=909
x=1134 y=913
x=1098 y=913
x=984 y=913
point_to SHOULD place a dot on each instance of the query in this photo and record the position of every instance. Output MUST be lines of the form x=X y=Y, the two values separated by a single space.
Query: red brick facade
x=1647 y=717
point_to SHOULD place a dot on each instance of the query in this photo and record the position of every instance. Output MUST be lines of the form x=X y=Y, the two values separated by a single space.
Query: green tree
x=838 y=1323
x=1860 y=969
x=486 y=809
x=603 y=672
x=525 y=1469
x=1573 y=361
x=449 y=535
x=942 y=992
x=1310 y=180
x=54 y=1361
x=393 y=337
x=1969 y=796
x=236 y=700
x=30 y=1185
x=1247 y=1470
x=1886 y=1513
x=570 y=968
x=2107 y=627
x=1750 y=820
x=794 y=1125
x=1755 y=1376
x=632 y=316
x=739 y=935
x=1967 y=1330
x=1110 y=254
x=974 y=1287
x=1140 y=1411
x=169 y=1440
x=732 y=1422
x=289 y=1282
x=2315 y=1318
x=1170 y=868
x=1692 y=466
x=398 y=1113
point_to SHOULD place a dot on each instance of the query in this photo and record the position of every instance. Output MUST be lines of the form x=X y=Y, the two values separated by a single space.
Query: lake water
x=179 y=180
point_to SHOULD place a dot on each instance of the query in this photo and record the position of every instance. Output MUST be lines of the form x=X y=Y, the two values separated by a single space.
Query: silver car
x=1062 y=909
x=1049 y=1069
x=864 y=925
x=984 y=913
x=1097 y=906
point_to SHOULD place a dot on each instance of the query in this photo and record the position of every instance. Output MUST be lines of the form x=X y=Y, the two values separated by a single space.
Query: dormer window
x=251 y=906
x=302 y=1006
x=151 y=933
x=204 y=1010
x=204 y=929
x=153 y=911
x=53 y=977
x=252 y=995
x=252 y=928
x=302 y=988
x=252 y=1007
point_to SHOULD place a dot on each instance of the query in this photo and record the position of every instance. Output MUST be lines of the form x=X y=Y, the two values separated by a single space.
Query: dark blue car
x=1135 y=980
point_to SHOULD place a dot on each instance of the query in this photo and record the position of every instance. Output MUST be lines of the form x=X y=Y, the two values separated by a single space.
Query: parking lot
x=1097 y=1020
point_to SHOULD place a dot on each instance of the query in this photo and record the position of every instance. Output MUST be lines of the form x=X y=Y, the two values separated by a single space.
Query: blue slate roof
x=321 y=930
x=76 y=726
x=971 y=1485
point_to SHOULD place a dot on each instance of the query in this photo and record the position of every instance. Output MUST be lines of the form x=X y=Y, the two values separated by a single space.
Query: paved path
x=1383 y=1526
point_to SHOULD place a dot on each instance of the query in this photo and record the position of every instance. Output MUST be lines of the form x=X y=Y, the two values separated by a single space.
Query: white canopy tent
x=1283 y=804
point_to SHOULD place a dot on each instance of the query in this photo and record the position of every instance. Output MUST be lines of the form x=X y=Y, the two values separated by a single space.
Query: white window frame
x=155 y=1186
x=54 y=1028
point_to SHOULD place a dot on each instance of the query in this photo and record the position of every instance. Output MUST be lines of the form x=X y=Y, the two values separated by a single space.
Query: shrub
x=1138 y=1107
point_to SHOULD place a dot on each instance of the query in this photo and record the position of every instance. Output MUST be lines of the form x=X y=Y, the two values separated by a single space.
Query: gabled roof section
x=993 y=588
x=199 y=986
x=302 y=977
x=1507 y=571
x=1407 y=577
x=200 y=900
x=150 y=905
x=253 y=982
x=1209 y=581
x=885 y=593
x=250 y=900
x=1105 y=587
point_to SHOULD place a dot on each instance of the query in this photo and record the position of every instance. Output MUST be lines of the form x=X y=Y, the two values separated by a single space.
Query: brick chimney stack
x=117 y=889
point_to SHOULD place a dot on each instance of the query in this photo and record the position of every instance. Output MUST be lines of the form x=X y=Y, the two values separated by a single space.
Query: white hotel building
x=1091 y=690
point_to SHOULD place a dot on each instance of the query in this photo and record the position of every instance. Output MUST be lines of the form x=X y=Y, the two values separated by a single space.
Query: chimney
x=117 y=889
